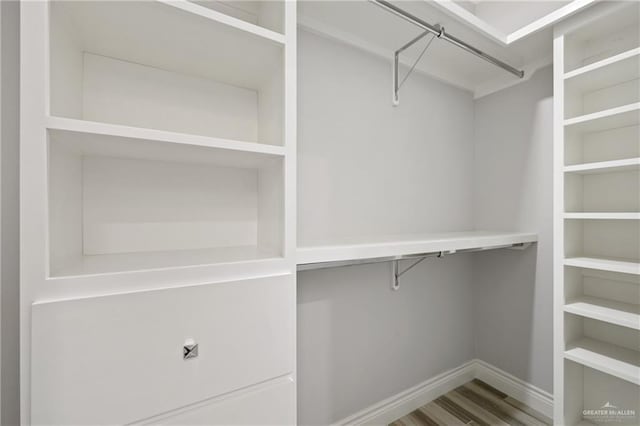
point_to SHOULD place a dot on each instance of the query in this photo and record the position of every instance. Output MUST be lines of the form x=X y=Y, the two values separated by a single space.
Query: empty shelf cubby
x=123 y=204
x=598 y=41
x=603 y=239
x=608 y=348
x=611 y=190
x=604 y=296
x=607 y=84
x=156 y=65
x=613 y=144
x=600 y=398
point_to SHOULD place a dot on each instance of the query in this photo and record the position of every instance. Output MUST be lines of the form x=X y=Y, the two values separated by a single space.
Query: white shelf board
x=173 y=36
x=604 y=216
x=622 y=266
x=116 y=130
x=604 y=166
x=608 y=72
x=403 y=245
x=613 y=118
x=191 y=7
x=109 y=140
x=623 y=314
x=610 y=359
x=92 y=276
x=146 y=261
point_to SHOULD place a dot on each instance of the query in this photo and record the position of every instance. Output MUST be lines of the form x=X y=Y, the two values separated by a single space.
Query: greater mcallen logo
x=609 y=413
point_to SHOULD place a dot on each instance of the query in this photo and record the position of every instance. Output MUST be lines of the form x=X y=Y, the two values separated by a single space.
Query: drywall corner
x=513 y=190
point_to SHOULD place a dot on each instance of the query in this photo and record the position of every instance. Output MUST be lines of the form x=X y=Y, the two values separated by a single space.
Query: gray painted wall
x=367 y=168
x=513 y=176
x=9 y=267
x=446 y=163
x=359 y=342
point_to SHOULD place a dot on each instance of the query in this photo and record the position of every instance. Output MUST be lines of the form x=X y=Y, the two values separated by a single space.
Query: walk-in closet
x=320 y=212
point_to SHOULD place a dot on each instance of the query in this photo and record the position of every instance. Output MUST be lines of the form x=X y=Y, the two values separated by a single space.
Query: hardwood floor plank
x=424 y=418
x=476 y=410
x=489 y=388
x=442 y=416
x=464 y=415
x=509 y=409
x=488 y=405
x=407 y=420
x=524 y=407
x=474 y=404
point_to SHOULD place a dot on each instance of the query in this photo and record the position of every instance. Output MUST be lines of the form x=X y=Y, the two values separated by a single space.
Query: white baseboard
x=390 y=409
x=516 y=388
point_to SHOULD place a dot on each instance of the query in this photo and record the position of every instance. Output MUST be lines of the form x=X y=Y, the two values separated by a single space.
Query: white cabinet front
x=121 y=358
x=270 y=403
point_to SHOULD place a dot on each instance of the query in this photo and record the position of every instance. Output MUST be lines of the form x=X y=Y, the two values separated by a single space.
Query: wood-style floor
x=475 y=403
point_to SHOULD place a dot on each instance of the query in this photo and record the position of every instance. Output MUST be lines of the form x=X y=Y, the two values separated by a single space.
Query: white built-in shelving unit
x=158 y=207
x=597 y=213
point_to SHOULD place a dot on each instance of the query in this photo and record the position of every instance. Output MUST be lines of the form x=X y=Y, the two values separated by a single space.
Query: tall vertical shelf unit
x=597 y=216
x=158 y=211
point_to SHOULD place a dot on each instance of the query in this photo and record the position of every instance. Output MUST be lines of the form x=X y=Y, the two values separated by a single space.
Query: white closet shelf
x=608 y=72
x=90 y=128
x=191 y=7
x=201 y=42
x=406 y=245
x=604 y=215
x=622 y=116
x=610 y=359
x=604 y=166
x=170 y=259
x=107 y=140
x=618 y=313
x=611 y=265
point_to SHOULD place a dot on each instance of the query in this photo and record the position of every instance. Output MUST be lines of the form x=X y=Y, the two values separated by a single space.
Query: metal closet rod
x=440 y=33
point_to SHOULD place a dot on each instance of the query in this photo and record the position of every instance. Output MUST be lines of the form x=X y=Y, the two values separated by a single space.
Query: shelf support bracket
x=519 y=246
x=397 y=84
x=397 y=273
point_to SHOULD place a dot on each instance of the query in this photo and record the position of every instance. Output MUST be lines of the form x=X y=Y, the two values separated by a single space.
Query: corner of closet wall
x=158 y=172
x=513 y=190
x=366 y=170
x=597 y=233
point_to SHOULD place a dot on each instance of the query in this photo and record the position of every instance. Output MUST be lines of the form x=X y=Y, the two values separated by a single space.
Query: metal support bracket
x=519 y=246
x=397 y=273
x=438 y=32
x=397 y=84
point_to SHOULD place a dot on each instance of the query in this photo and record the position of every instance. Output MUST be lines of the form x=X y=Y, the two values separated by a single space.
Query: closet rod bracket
x=396 y=273
x=439 y=33
x=519 y=246
x=397 y=84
